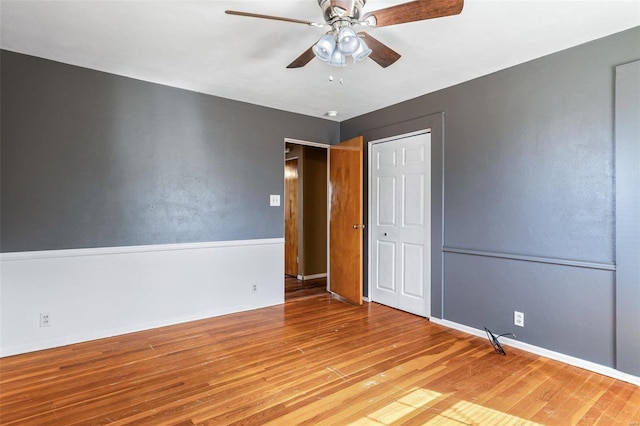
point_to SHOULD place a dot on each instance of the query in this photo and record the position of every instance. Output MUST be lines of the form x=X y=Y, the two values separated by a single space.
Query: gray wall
x=91 y=159
x=529 y=217
x=627 y=133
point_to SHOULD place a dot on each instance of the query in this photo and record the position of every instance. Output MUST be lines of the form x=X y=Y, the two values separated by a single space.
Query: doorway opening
x=305 y=218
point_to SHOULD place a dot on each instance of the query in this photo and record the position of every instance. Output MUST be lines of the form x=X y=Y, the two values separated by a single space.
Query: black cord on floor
x=494 y=340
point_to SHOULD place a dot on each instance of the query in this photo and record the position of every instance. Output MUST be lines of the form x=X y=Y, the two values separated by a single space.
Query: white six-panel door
x=400 y=223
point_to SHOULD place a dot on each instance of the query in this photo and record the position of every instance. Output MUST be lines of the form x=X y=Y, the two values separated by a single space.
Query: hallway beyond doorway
x=299 y=289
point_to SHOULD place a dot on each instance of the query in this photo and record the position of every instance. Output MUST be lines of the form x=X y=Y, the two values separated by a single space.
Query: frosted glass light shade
x=347 y=41
x=325 y=47
x=362 y=53
x=337 y=59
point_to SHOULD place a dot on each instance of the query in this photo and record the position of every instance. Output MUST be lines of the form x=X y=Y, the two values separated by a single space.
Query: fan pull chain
x=331 y=75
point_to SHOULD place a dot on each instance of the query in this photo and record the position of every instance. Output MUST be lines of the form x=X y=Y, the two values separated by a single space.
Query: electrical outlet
x=45 y=320
x=254 y=288
x=518 y=318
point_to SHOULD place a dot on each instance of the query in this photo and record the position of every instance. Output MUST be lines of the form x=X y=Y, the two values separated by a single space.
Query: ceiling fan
x=341 y=41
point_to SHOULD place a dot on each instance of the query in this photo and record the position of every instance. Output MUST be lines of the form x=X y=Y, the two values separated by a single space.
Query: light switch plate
x=274 y=200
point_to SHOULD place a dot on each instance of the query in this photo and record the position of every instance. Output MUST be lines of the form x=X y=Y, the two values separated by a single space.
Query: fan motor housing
x=341 y=10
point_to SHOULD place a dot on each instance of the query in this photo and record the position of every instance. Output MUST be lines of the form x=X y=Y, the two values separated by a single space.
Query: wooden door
x=291 y=217
x=400 y=226
x=345 y=219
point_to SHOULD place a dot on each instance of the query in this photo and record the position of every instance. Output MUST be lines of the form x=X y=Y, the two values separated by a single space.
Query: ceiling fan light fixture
x=342 y=41
x=347 y=41
x=325 y=47
x=337 y=59
x=362 y=52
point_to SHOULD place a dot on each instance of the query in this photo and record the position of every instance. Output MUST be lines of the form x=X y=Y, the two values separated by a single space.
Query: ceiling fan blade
x=274 y=18
x=412 y=11
x=381 y=54
x=303 y=59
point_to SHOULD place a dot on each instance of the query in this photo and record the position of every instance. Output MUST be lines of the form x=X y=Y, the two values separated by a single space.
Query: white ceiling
x=194 y=45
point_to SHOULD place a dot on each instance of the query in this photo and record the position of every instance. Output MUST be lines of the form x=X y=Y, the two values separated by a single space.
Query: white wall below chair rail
x=101 y=292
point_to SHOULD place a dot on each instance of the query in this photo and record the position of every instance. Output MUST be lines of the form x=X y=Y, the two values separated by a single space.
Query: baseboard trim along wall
x=577 y=362
x=101 y=292
x=311 y=277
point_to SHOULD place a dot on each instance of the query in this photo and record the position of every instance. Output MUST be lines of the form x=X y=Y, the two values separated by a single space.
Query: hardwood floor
x=314 y=360
x=297 y=289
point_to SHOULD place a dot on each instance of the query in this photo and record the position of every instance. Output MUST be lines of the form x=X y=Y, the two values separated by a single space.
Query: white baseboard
x=567 y=359
x=312 y=277
x=102 y=292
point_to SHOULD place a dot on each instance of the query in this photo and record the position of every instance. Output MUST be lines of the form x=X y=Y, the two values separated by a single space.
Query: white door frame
x=369 y=204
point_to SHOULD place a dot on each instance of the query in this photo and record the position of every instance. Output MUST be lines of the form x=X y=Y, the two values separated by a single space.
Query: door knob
x=358 y=226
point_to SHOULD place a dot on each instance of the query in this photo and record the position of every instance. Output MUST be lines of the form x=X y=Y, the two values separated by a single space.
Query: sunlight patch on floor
x=398 y=409
x=468 y=413
x=460 y=413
